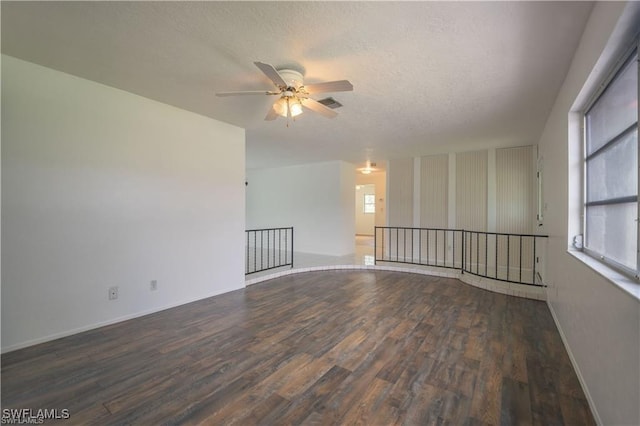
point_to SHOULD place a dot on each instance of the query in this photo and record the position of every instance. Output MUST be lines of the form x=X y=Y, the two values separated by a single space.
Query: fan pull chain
x=288 y=112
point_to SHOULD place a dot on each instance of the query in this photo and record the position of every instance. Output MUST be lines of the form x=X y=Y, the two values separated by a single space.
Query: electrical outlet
x=113 y=293
x=154 y=285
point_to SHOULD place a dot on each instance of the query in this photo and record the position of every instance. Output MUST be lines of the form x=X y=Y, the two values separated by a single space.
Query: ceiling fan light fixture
x=280 y=107
x=295 y=106
x=288 y=104
x=369 y=167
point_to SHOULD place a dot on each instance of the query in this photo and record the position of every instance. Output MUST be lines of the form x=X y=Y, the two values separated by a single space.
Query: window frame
x=617 y=69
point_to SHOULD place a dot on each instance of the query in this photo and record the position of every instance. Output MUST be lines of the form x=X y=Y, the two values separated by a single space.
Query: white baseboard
x=93 y=326
x=585 y=389
x=510 y=289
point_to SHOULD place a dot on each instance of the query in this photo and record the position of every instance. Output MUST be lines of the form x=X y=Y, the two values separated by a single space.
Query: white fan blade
x=248 y=92
x=316 y=106
x=329 y=86
x=271 y=115
x=272 y=73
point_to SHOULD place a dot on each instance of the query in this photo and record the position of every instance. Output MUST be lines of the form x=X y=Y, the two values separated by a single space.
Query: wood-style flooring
x=344 y=347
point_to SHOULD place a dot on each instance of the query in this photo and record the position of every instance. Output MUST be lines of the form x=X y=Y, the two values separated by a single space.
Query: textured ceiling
x=428 y=77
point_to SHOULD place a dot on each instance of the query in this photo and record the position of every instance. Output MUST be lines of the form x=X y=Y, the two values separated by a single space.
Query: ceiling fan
x=293 y=94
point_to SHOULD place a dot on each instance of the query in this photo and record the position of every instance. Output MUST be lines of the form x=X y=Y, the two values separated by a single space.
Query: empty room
x=288 y=213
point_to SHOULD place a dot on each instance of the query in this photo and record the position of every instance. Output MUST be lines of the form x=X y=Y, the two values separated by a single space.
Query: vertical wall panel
x=400 y=192
x=515 y=190
x=515 y=203
x=471 y=191
x=434 y=191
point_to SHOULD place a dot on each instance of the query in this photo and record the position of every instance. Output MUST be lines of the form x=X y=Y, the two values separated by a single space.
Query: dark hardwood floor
x=340 y=347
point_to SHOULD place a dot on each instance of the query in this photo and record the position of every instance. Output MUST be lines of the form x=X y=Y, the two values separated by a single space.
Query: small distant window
x=369 y=203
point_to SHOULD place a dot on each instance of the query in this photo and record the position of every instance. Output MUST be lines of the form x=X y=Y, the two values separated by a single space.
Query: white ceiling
x=429 y=77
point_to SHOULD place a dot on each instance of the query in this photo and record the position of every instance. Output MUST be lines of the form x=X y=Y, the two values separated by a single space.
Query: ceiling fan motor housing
x=291 y=77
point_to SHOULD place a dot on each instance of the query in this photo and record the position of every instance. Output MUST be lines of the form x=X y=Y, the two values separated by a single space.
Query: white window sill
x=625 y=283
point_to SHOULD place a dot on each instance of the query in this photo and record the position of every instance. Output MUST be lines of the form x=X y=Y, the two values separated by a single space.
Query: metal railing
x=513 y=258
x=268 y=248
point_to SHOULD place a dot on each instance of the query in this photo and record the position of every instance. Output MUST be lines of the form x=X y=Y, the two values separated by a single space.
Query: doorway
x=365 y=209
x=370 y=193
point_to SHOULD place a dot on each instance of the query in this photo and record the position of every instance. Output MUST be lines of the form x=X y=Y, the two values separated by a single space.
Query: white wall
x=346 y=220
x=316 y=199
x=599 y=322
x=104 y=188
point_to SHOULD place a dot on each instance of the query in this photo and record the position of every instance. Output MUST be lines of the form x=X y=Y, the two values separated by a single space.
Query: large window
x=611 y=170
